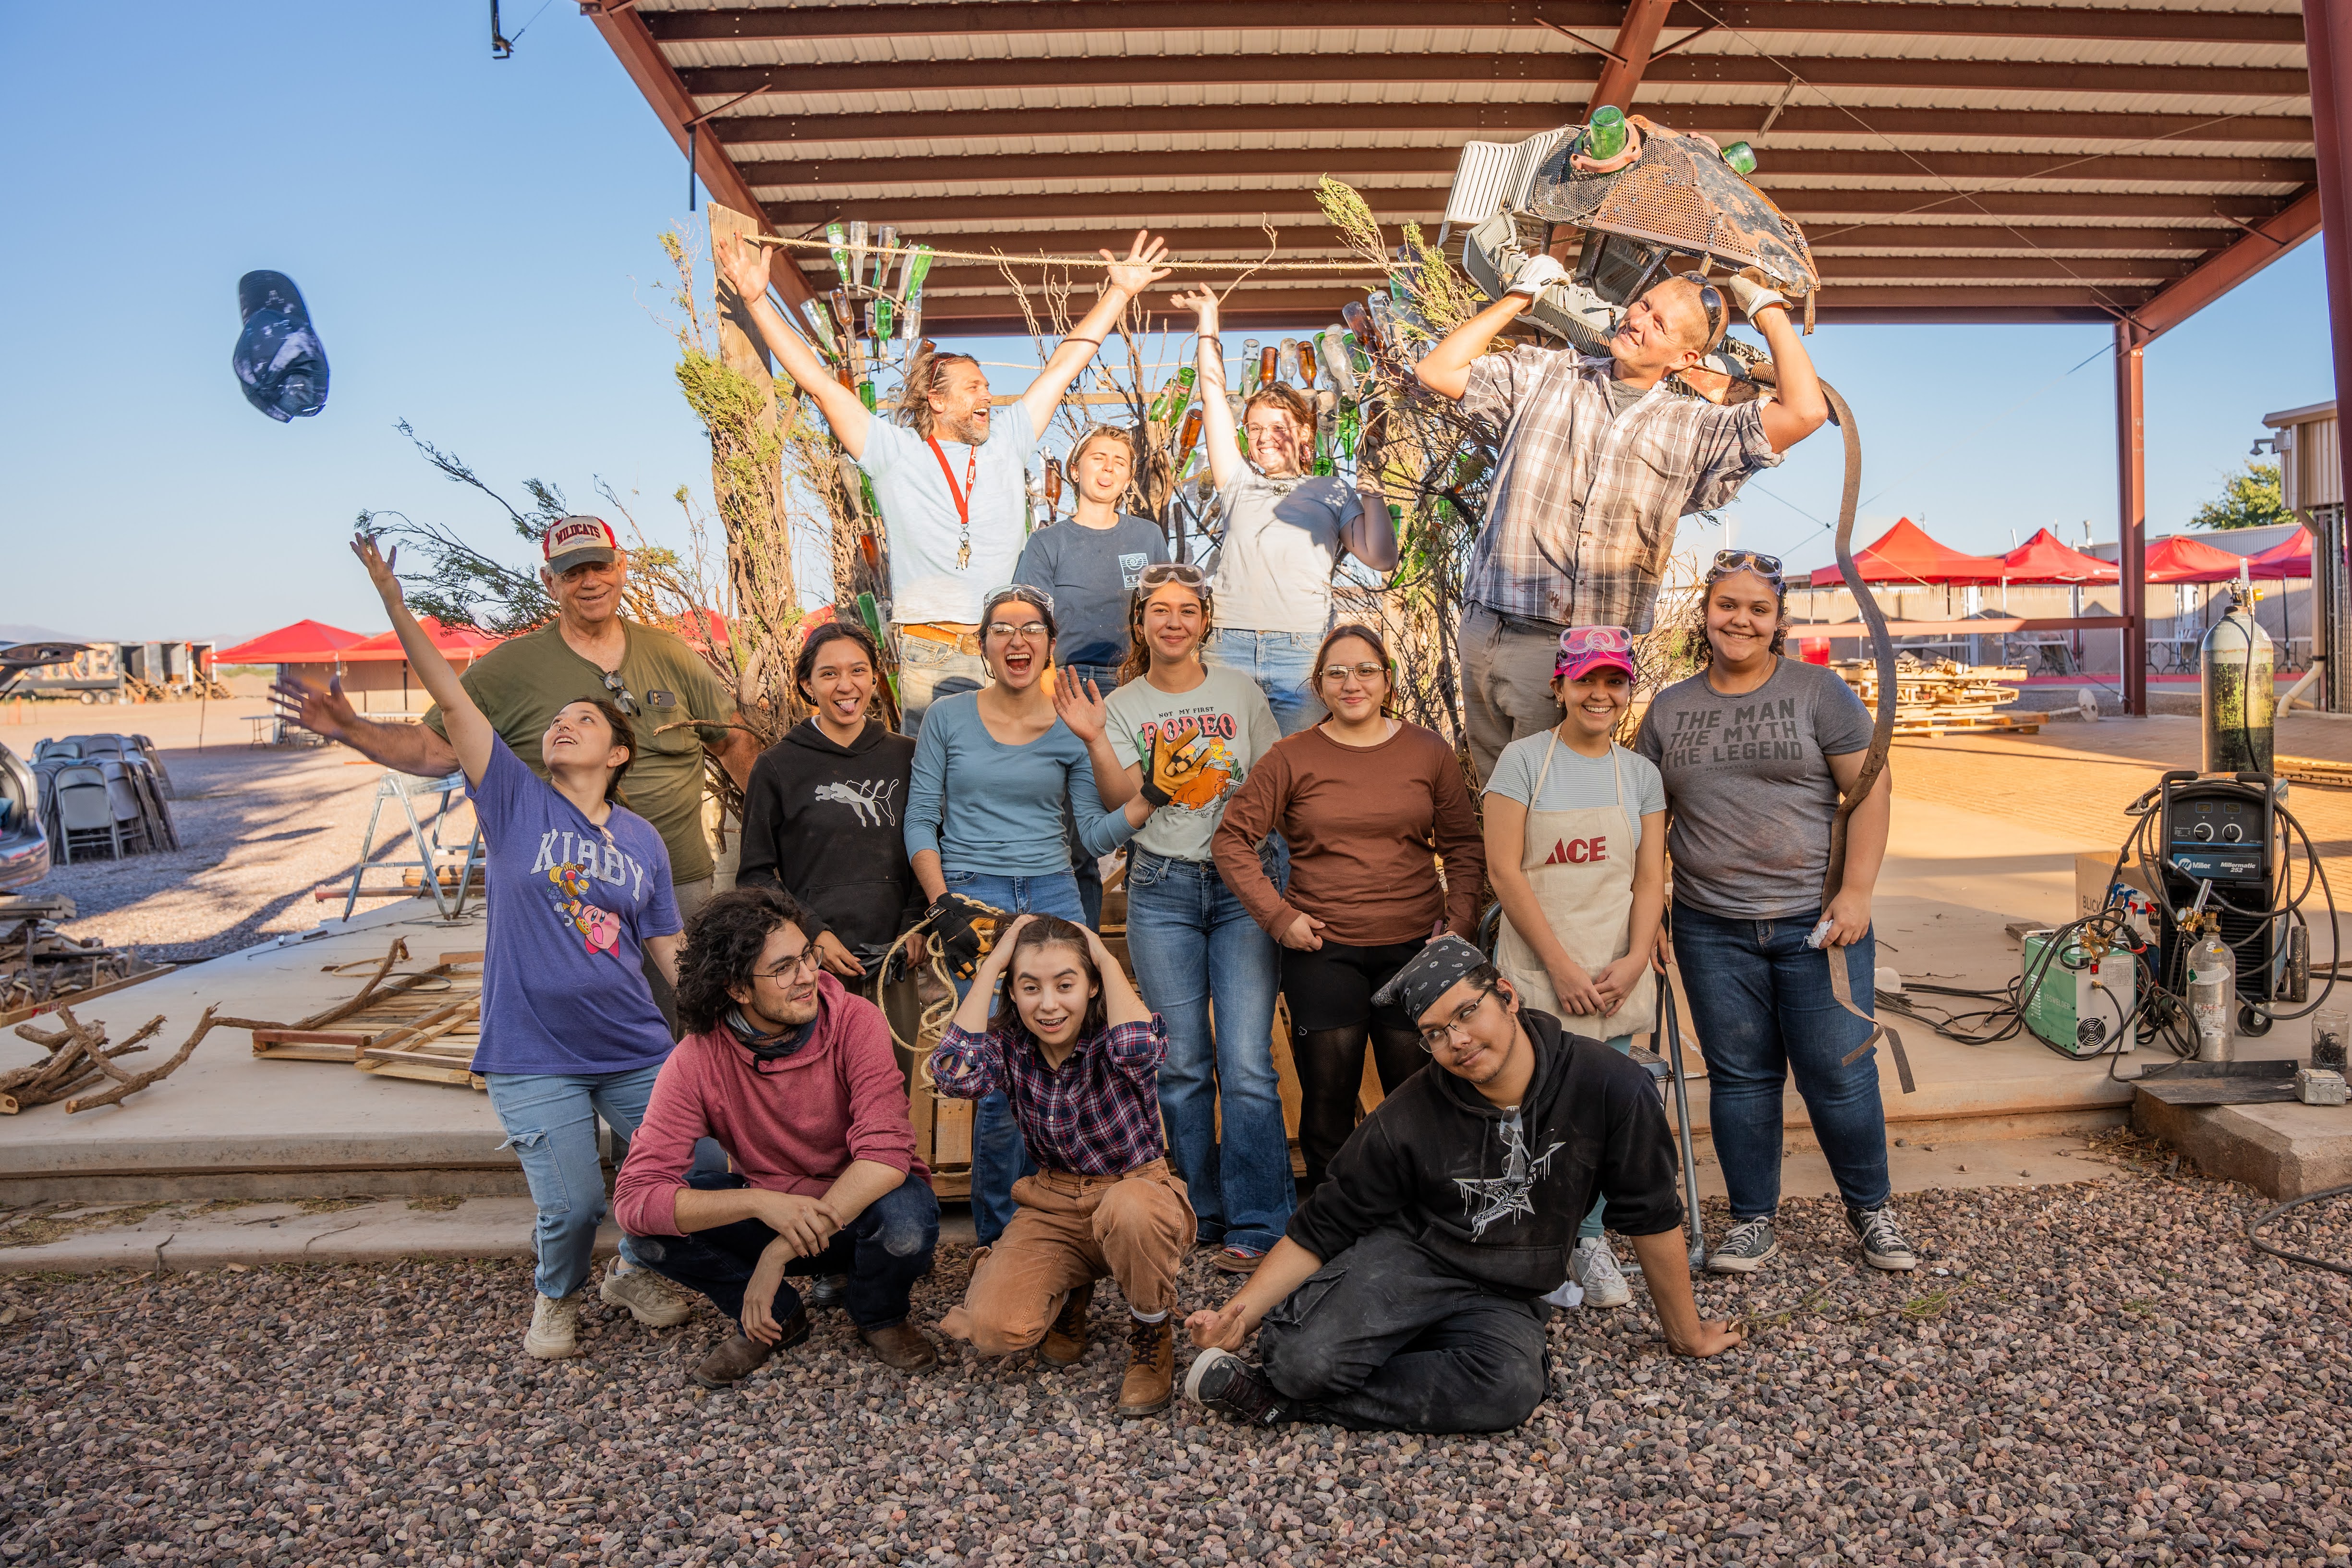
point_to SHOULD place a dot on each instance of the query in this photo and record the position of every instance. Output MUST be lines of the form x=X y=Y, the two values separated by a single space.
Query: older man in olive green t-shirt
x=675 y=703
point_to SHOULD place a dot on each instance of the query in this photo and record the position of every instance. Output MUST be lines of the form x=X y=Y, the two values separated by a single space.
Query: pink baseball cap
x=577 y=541
x=1583 y=649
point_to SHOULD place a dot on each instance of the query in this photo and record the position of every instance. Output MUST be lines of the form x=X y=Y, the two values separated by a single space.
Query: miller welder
x=2223 y=832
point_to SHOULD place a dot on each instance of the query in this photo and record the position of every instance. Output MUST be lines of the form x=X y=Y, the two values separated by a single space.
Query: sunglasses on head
x=1710 y=299
x=1727 y=561
x=621 y=698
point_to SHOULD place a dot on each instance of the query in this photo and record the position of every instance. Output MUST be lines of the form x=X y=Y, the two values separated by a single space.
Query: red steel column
x=2131 y=472
x=2327 y=45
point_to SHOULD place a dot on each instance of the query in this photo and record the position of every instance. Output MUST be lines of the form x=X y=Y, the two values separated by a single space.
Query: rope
x=993 y=257
x=934 y=1018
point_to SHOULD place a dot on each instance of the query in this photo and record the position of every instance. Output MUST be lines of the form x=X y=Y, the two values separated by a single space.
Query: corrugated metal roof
x=1949 y=159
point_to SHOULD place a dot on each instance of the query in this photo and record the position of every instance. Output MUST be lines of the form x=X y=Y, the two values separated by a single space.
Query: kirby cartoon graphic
x=602 y=926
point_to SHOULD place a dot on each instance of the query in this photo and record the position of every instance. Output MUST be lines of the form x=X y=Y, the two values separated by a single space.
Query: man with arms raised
x=795 y=1078
x=950 y=483
x=1408 y=1292
x=1598 y=461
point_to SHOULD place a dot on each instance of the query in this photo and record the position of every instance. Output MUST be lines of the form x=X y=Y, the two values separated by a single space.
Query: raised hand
x=1203 y=303
x=323 y=710
x=1081 y=706
x=743 y=264
x=379 y=569
x=1140 y=267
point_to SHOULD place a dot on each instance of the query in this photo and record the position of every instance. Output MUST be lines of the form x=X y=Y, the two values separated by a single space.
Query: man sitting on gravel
x=795 y=1077
x=1407 y=1293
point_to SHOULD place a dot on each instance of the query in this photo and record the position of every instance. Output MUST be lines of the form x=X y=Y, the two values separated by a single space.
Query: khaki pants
x=1070 y=1231
x=1506 y=683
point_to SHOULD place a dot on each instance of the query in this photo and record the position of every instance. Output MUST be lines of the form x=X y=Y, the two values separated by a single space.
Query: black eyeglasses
x=804 y=961
x=1727 y=561
x=621 y=698
x=1710 y=300
x=1442 y=1034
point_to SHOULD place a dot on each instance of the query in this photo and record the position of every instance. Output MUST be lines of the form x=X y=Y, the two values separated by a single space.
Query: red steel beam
x=2114 y=25
x=2131 y=487
x=2140 y=274
x=1637 y=34
x=2217 y=275
x=2330 y=29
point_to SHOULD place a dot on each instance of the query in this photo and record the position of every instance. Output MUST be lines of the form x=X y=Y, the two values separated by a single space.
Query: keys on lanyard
x=963 y=496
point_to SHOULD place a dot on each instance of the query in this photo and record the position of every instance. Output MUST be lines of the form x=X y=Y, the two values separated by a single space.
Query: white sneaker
x=649 y=1297
x=554 y=1328
x=1594 y=1267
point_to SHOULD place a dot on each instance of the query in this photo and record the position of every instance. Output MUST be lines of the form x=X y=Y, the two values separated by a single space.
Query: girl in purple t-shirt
x=578 y=893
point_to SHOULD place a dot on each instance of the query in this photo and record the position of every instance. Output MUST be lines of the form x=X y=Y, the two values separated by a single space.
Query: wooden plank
x=455 y=1077
x=951 y=1134
x=74 y=998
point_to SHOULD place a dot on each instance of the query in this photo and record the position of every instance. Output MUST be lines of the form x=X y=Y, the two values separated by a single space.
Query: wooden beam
x=633 y=44
x=2119 y=24
x=2223 y=271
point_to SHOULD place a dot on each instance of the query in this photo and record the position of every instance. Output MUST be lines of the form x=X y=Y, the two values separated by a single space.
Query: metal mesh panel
x=1679 y=192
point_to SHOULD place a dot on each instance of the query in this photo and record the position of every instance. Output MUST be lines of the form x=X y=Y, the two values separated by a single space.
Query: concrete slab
x=2284 y=1151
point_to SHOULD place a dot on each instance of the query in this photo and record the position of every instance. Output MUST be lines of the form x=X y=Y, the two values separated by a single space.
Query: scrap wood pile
x=421 y=1024
x=40 y=965
x=80 y=1057
x=1943 y=697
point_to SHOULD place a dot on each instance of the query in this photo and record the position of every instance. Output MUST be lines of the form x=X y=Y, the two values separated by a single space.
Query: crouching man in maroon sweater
x=795 y=1079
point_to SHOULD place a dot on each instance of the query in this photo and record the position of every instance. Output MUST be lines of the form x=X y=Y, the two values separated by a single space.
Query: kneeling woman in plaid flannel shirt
x=1077 y=1053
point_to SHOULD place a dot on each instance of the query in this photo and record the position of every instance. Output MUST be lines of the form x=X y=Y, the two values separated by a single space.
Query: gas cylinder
x=2240 y=700
x=2213 y=996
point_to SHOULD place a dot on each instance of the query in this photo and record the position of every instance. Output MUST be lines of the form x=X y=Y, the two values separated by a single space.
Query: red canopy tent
x=2043 y=559
x=2181 y=559
x=2290 y=557
x=459 y=645
x=1905 y=553
x=304 y=642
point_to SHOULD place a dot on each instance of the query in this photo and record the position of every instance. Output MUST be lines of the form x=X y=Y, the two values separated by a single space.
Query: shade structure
x=304 y=642
x=1905 y=553
x=2181 y=559
x=2043 y=559
x=703 y=629
x=460 y=645
x=2290 y=557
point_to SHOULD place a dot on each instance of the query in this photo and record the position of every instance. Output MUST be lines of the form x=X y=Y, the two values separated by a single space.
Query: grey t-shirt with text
x=1748 y=784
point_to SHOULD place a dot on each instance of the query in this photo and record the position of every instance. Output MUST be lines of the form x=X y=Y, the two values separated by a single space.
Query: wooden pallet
x=2313 y=771
x=424 y=1025
x=1968 y=724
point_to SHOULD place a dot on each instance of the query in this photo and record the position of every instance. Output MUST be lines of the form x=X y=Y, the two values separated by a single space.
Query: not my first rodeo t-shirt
x=1750 y=786
x=571 y=905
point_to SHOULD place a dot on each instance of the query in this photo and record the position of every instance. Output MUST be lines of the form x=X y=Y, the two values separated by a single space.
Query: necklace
x=963 y=496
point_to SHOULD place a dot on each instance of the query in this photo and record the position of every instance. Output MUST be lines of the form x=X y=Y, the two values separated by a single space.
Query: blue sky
x=476 y=241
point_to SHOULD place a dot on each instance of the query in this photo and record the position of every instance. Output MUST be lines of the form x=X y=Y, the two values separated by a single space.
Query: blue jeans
x=1195 y=947
x=1283 y=665
x=1104 y=678
x=1591 y=1228
x=884 y=1251
x=999 y=1156
x=550 y=1123
x=1761 y=1003
x=929 y=670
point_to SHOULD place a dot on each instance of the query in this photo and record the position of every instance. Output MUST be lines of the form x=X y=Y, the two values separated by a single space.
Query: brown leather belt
x=962 y=638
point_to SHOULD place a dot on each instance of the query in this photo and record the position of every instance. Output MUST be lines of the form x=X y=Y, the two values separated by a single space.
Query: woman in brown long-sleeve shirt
x=1366 y=803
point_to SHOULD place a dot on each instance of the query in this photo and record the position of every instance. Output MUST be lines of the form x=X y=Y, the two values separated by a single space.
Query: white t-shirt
x=918 y=514
x=1577 y=782
x=1273 y=566
x=1223 y=727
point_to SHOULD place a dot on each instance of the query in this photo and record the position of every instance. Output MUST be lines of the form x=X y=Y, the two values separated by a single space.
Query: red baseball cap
x=578 y=540
x=1583 y=649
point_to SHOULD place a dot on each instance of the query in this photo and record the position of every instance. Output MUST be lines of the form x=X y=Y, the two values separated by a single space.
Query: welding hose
x=1882 y=736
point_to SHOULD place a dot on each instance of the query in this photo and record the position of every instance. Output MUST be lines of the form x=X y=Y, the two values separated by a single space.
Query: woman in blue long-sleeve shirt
x=994 y=770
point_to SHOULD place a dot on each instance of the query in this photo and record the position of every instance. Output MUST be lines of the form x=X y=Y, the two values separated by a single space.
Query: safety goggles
x=1710 y=299
x=1585 y=649
x=1161 y=572
x=1727 y=561
x=1022 y=591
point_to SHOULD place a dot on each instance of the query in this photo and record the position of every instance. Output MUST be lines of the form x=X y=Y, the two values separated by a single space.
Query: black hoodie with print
x=823 y=821
x=1497 y=1205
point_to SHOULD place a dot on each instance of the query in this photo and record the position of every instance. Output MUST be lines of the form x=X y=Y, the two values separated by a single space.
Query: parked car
x=23 y=847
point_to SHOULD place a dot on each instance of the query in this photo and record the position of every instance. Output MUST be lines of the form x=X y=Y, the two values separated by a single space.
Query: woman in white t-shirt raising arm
x=1280 y=533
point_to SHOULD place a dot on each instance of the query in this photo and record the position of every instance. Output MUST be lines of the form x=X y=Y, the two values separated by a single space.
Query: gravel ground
x=2100 y=1375
x=260 y=828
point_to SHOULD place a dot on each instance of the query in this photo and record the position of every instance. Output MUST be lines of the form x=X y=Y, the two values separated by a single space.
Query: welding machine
x=2224 y=831
x=2083 y=999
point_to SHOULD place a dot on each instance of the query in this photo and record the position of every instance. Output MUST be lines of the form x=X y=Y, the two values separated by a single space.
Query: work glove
x=1535 y=274
x=1751 y=294
x=966 y=929
x=1173 y=764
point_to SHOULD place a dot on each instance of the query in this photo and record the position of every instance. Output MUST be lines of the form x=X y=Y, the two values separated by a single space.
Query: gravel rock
x=2099 y=1374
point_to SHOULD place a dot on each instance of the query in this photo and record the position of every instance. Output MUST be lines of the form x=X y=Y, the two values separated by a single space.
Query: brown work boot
x=1150 y=1384
x=741 y=1355
x=902 y=1346
x=1066 y=1342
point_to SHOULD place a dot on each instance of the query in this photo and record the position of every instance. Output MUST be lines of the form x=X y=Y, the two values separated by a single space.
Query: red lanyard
x=970 y=471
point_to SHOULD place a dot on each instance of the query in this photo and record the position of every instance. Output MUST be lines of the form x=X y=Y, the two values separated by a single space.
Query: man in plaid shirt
x=1077 y=1053
x=1597 y=462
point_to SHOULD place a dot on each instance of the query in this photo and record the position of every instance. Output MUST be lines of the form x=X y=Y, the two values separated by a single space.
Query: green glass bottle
x=866 y=394
x=1347 y=428
x=1604 y=138
x=837 y=238
x=1174 y=397
x=1742 y=157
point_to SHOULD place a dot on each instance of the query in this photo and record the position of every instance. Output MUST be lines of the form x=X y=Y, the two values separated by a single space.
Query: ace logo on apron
x=1586 y=894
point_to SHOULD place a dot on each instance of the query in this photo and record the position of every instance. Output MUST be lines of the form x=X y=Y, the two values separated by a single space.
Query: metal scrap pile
x=40 y=965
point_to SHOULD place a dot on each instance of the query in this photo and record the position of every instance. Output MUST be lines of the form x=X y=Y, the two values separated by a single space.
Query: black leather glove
x=966 y=929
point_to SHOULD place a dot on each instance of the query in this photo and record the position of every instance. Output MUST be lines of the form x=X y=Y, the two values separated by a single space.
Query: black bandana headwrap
x=1434 y=970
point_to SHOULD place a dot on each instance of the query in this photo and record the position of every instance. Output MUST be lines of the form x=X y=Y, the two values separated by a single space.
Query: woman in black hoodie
x=823 y=809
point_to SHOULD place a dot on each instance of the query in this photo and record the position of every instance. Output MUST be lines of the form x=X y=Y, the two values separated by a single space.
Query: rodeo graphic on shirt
x=586 y=861
x=1192 y=757
x=1499 y=1197
x=874 y=800
x=1753 y=732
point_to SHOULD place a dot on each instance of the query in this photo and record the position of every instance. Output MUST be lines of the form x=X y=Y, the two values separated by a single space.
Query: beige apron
x=1580 y=864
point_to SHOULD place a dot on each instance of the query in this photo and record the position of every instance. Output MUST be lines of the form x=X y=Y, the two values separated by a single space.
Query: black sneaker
x=1748 y=1246
x=1882 y=1241
x=1225 y=1383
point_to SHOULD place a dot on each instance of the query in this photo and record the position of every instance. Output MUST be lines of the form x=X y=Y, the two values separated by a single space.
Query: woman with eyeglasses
x=578 y=898
x=1182 y=736
x=1576 y=847
x=1756 y=750
x=1369 y=805
x=994 y=770
x=1281 y=531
